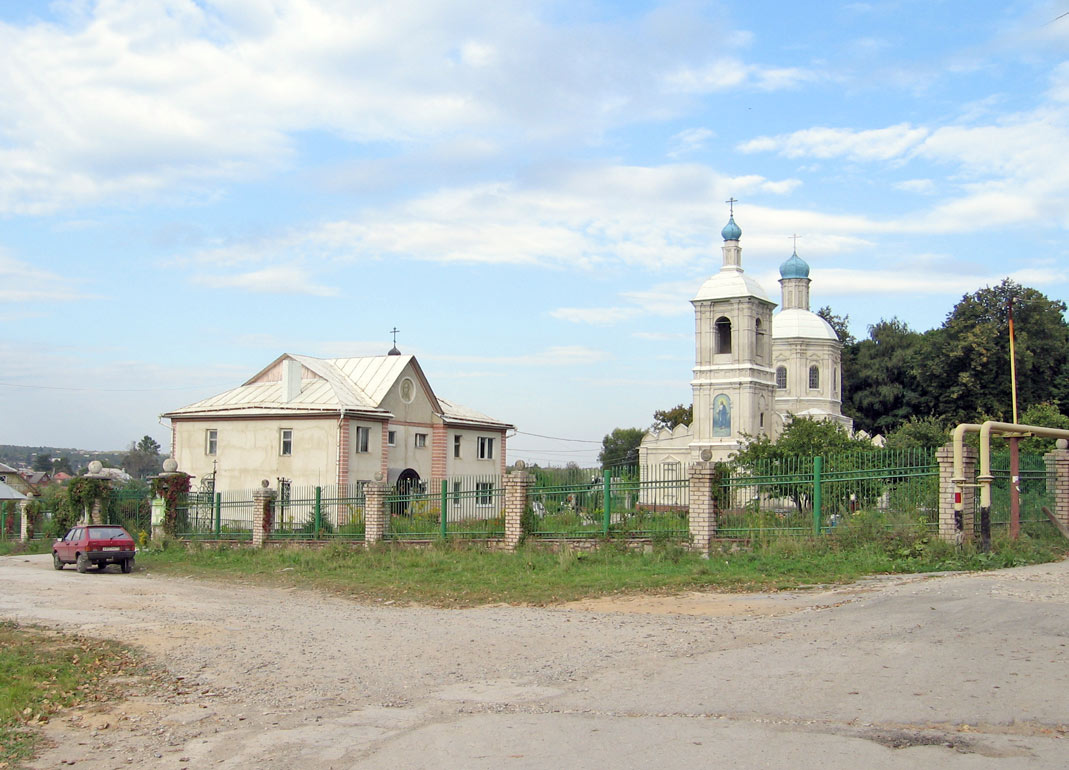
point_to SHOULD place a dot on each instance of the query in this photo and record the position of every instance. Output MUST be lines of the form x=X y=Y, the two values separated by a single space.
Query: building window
x=486 y=448
x=723 y=335
x=456 y=445
x=781 y=377
x=835 y=382
x=814 y=377
x=363 y=438
x=484 y=491
x=391 y=438
x=421 y=440
x=761 y=420
x=211 y=441
x=285 y=443
x=759 y=339
x=456 y=494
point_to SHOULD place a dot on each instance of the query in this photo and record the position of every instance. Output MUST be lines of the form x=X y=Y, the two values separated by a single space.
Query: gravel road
x=949 y=671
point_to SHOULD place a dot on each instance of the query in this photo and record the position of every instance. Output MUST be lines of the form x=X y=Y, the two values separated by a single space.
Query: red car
x=96 y=544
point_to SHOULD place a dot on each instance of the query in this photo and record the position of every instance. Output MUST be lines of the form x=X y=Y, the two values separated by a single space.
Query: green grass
x=14 y=547
x=42 y=672
x=454 y=575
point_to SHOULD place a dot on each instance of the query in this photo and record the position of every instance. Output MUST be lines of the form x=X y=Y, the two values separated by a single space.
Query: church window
x=723 y=335
x=761 y=420
x=835 y=382
x=781 y=377
x=759 y=339
x=814 y=377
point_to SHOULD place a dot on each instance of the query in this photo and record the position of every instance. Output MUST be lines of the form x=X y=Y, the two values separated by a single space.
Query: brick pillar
x=1058 y=480
x=96 y=512
x=948 y=528
x=516 y=486
x=702 y=506
x=24 y=513
x=375 y=510
x=263 y=505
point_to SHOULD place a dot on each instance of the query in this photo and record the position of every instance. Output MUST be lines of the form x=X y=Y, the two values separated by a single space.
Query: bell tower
x=734 y=382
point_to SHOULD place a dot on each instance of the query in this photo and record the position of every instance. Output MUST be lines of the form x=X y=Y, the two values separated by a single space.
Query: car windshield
x=106 y=533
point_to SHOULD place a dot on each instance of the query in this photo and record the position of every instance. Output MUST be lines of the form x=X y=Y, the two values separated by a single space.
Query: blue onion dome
x=795 y=267
x=731 y=231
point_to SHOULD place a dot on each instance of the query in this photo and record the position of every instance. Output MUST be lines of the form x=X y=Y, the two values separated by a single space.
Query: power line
x=558 y=438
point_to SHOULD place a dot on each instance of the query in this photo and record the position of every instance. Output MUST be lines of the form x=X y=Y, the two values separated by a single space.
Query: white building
x=316 y=421
x=752 y=369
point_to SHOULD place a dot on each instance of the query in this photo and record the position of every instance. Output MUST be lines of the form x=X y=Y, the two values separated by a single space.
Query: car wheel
x=101 y=565
x=127 y=565
x=56 y=561
x=82 y=563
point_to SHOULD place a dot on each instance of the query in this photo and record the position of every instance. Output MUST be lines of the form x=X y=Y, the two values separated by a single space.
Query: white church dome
x=730 y=283
x=797 y=322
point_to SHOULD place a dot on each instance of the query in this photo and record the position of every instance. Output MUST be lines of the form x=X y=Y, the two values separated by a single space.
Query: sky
x=530 y=192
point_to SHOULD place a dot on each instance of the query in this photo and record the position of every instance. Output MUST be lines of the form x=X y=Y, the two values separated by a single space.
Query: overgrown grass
x=42 y=672
x=11 y=547
x=454 y=575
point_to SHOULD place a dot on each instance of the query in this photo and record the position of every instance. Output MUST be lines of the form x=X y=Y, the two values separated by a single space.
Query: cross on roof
x=394 y=331
x=731 y=205
x=795 y=238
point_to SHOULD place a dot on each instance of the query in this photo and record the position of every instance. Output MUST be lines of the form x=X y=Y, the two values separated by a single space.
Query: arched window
x=814 y=377
x=723 y=335
x=759 y=339
x=781 y=377
x=835 y=382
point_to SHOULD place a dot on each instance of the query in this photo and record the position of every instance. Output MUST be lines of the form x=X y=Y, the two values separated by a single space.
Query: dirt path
x=956 y=671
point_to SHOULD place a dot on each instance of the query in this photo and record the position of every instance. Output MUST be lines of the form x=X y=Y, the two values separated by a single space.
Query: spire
x=731 y=234
x=794 y=281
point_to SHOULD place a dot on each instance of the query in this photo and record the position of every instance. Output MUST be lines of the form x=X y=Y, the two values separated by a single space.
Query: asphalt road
x=949 y=671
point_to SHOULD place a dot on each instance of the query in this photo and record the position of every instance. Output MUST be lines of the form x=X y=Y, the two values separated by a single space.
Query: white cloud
x=729 y=73
x=690 y=140
x=922 y=186
x=559 y=355
x=22 y=282
x=875 y=144
x=128 y=99
x=568 y=217
x=838 y=281
x=270 y=280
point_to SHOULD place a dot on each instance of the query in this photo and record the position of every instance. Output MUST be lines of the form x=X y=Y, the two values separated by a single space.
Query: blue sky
x=531 y=192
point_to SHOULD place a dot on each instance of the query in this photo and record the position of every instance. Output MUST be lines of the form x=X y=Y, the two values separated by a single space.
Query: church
x=753 y=370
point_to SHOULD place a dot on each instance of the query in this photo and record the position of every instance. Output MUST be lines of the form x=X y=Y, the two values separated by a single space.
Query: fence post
x=516 y=487
x=318 y=512
x=818 y=466
x=1057 y=462
x=263 y=501
x=374 y=510
x=702 y=508
x=218 y=515
x=953 y=528
x=606 y=502
x=442 y=515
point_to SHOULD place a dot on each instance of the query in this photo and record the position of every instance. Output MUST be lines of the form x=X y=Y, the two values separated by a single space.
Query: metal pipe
x=985 y=478
x=958 y=479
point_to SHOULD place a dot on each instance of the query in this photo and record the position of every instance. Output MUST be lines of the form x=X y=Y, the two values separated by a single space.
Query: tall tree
x=143 y=458
x=840 y=323
x=966 y=366
x=881 y=388
x=620 y=447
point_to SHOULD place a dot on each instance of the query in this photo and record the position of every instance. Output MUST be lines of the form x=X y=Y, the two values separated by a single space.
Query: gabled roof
x=328 y=385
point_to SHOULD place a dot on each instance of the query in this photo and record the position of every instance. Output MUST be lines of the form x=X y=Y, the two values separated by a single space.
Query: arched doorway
x=405 y=487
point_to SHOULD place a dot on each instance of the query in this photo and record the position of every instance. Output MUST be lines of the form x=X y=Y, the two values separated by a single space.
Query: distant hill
x=22 y=456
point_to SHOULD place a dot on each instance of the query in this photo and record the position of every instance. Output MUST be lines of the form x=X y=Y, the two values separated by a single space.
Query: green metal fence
x=650 y=501
x=473 y=507
x=1036 y=490
x=10 y=520
x=810 y=495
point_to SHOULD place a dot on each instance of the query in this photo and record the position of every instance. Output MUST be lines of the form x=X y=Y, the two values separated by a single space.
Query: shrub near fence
x=474 y=508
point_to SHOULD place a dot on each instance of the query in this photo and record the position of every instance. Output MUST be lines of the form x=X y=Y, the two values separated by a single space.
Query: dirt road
x=960 y=671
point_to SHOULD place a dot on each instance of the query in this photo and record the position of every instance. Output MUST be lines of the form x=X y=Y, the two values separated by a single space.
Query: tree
x=670 y=418
x=966 y=364
x=788 y=459
x=840 y=323
x=880 y=382
x=620 y=447
x=923 y=432
x=43 y=462
x=1047 y=416
x=143 y=458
